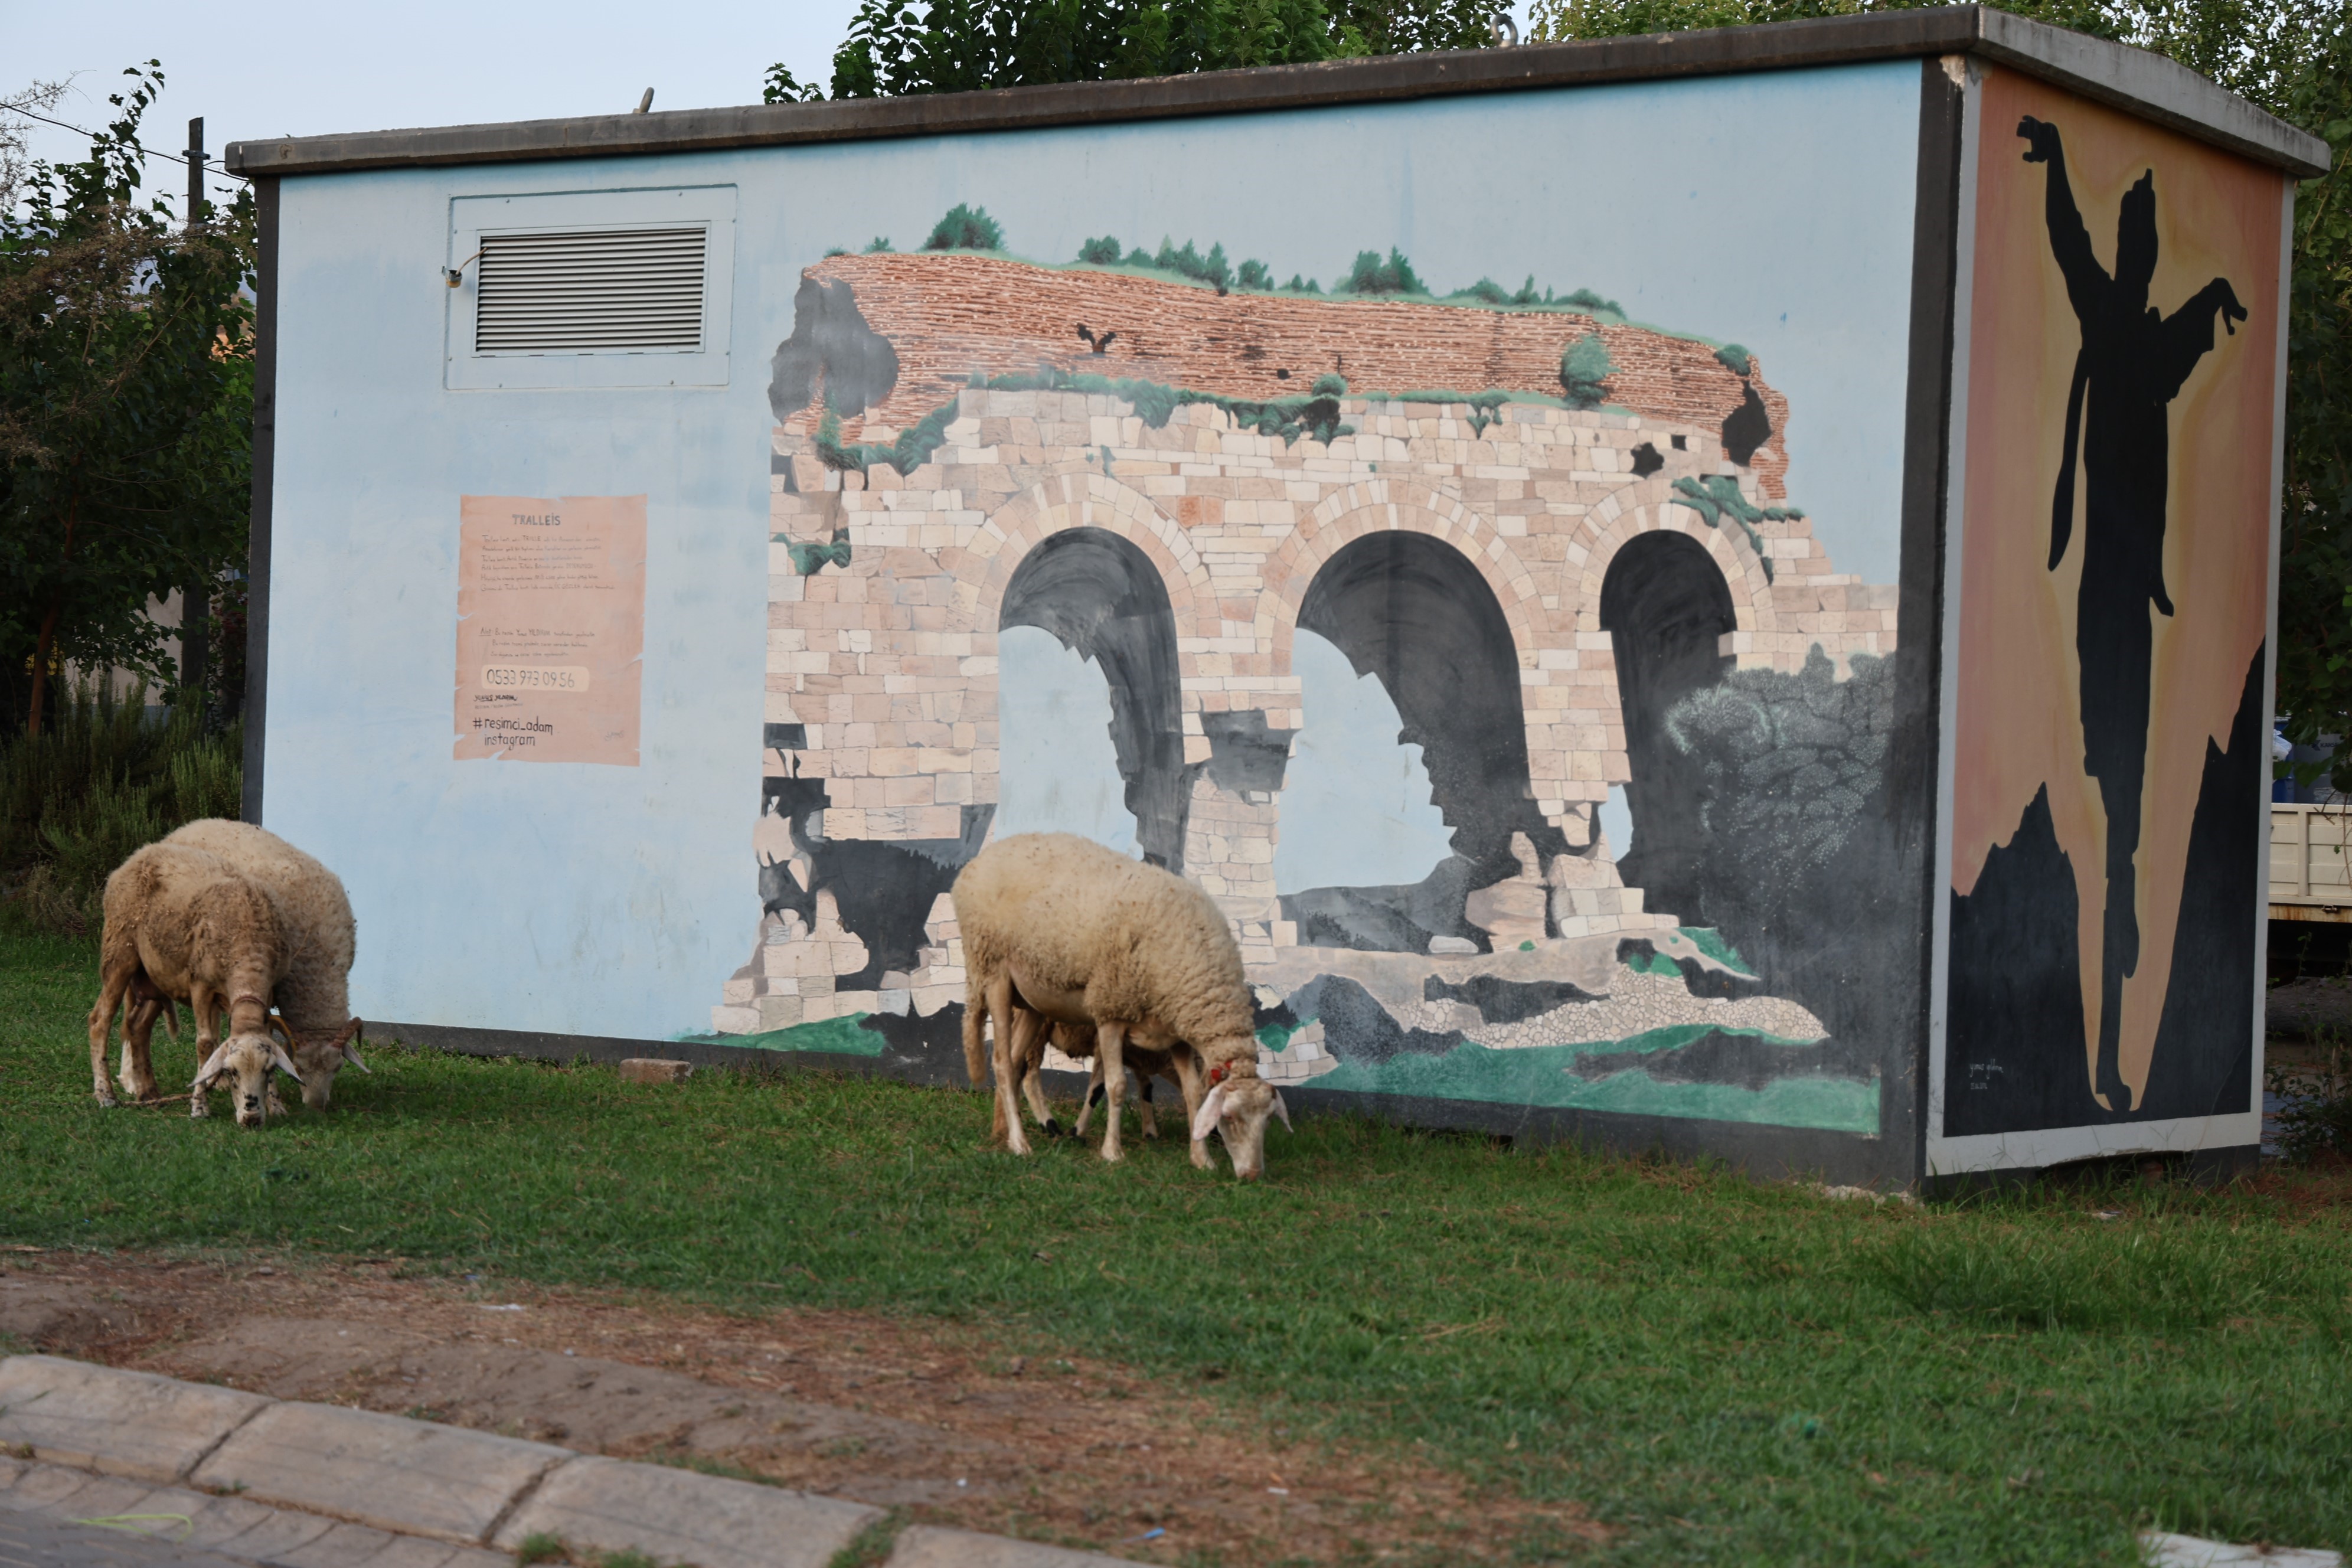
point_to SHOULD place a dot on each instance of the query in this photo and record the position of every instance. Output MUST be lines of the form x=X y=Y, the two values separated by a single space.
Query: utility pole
x=195 y=595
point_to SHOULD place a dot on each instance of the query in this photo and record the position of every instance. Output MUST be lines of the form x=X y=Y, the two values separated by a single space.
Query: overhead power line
x=151 y=152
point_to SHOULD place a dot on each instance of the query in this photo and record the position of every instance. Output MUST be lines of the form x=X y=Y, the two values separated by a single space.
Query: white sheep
x=314 y=998
x=1059 y=926
x=197 y=928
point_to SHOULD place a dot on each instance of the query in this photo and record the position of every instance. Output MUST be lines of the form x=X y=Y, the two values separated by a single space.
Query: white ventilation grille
x=610 y=290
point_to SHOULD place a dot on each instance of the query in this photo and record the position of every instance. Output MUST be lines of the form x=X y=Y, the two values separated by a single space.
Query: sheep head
x=247 y=1061
x=1237 y=1108
x=321 y=1060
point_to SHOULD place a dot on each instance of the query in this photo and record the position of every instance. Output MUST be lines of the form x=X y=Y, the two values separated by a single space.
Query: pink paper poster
x=550 y=627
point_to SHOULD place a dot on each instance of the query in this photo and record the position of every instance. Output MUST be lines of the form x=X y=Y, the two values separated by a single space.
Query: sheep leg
x=1033 y=1077
x=138 y=1062
x=1110 y=1046
x=200 y=1006
x=1145 y=1112
x=1094 y=1093
x=112 y=986
x=1002 y=1021
x=1187 y=1079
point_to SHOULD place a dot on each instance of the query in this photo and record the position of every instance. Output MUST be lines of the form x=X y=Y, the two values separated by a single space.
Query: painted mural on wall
x=2110 y=756
x=1466 y=645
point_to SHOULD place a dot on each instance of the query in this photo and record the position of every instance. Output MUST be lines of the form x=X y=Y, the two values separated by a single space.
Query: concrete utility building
x=1769 y=683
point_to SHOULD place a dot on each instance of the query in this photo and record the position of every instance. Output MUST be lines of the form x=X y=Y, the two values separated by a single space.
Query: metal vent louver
x=613 y=290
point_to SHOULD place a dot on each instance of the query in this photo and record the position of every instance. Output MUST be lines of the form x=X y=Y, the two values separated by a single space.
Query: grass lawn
x=1724 y=1373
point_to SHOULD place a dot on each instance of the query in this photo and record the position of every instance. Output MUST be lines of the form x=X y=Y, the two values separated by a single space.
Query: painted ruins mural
x=2111 y=749
x=1467 y=648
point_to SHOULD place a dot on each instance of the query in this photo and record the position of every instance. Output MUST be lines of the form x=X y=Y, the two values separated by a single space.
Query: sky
x=271 y=68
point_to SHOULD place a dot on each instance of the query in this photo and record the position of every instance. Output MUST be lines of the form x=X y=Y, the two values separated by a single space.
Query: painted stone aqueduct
x=882 y=675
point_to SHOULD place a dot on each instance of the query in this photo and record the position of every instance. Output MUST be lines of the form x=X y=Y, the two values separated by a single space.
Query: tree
x=901 y=46
x=126 y=396
x=2294 y=58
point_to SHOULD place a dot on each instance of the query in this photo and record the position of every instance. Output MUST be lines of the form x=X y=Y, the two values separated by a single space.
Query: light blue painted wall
x=1057 y=766
x=1774 y=210
x=1355 y=805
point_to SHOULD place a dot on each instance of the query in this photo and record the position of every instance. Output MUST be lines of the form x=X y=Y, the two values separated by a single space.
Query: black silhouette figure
x=2133 y=363
x=1099 y=345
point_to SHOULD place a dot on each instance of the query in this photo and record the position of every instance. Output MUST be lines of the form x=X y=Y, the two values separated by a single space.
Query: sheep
x=1146 y=1065
x=1076 y=1041
x=1031 y=1035
x=187 y=923
x=314 y=999
x=1060 y=926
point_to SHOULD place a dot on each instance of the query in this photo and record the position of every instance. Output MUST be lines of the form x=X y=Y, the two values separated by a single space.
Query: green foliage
x=1255 y=277
x=809 y=558
x=1716 y=496
x=1486 y=291
x=1302 y=284
x=101 y=779
x=782 y=87
x=1103 y=252
x=1585 y=368
x=901 y=46
x=126 y=410
x=1314 y=413
x=541 y=1546
x=1586 y=300
x=913 y=448
x=1735 y=359
x=2314 y=1116
x=1211 y=269
x=1370 y=274
x=871 y=1547
x=1525 y=1324
x=966 y=228
x=880 y=246
x=1482 y=406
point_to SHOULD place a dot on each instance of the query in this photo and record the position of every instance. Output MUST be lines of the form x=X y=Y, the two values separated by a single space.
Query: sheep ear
x=285 y=1063
x=1212 y=1110
x=212 y=1067
x=1284 y=1111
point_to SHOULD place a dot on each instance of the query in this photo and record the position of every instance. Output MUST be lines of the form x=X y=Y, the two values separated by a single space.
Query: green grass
x=1729 y=1373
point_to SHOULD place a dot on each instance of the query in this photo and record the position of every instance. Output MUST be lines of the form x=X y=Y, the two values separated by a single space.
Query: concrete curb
x=318 y=1486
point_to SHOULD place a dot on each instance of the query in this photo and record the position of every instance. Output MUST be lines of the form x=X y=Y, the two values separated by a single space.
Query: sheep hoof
x=1054 y=1128
x=105 y=1098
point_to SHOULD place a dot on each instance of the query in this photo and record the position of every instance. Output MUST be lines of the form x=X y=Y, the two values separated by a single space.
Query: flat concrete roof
x=2145 y=84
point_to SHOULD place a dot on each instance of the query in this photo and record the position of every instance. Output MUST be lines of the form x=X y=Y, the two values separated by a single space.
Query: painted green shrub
x=1735 y=359
x=966 y=228
x=1314 y=413
x=1584 y=370
x=1591 y=303
x=1103 y=252
x=1716 y=496
x=1255 y=276
x=1370 y=274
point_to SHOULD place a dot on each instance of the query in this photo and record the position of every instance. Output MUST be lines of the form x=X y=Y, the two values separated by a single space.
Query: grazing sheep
x=1076 y=1041
x=1146 y=1065
x=190 y=925
x=1059 y=926
x=314 y=998
x=1031 y=1034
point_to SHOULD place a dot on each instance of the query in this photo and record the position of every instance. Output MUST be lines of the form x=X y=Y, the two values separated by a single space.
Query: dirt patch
x=913 y=1414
